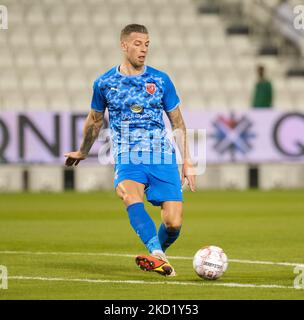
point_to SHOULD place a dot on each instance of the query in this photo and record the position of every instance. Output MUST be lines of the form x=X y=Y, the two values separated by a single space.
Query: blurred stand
x=54 y=49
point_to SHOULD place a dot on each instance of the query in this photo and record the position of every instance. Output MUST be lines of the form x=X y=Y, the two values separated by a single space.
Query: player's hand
x=188 y=174
x=73 y=158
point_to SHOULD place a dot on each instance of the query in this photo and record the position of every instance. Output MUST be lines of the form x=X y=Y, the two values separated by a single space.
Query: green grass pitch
x=81 y=246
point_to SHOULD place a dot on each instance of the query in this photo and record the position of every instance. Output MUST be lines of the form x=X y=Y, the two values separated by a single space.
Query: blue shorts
x=162 y=181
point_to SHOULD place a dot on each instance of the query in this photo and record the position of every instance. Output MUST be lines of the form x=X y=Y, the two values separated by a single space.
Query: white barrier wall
x=281 y=176
x=224 y=177
x=45 y=178
x=89 y=178
x=11 y=178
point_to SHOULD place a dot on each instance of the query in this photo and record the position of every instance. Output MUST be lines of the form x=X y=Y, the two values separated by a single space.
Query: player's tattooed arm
x=91 y=129
x=179 y=130
x=180 y=135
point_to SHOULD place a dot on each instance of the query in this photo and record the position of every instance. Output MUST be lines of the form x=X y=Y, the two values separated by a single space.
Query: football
x=210 y=262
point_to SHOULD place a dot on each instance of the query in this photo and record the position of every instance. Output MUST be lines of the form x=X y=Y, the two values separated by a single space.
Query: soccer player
x=145 y=160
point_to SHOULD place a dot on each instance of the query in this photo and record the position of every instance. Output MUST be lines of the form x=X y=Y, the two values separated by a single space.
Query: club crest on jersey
x=151 y=88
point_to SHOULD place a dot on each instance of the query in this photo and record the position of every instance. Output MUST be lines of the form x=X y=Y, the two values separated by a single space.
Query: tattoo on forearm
x=176 y=120
x=88 y=140
x=91 y=131
x=180 y=133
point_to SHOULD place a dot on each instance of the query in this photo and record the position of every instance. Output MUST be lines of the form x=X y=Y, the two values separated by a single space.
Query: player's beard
x=137 y=64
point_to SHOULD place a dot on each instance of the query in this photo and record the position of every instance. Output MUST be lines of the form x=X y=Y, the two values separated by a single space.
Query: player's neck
x=128 y=69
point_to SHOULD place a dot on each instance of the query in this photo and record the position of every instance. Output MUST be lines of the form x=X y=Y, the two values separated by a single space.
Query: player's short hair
x=127 y=30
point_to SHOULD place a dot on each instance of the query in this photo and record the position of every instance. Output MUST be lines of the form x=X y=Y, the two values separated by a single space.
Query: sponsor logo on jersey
x=136 y=108
x=151 y=88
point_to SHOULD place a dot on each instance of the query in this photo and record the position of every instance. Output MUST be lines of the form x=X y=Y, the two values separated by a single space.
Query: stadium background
x=50 y=55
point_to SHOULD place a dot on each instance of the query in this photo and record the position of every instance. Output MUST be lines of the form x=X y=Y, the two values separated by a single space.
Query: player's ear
x=124 y=46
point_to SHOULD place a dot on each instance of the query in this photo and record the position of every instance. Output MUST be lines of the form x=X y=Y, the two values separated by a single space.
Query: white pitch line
x=288 y=264
x=142 y=282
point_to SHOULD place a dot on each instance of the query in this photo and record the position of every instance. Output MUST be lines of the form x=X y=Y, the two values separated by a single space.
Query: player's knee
x=173 y=225
x=174 y=222
x=130 y=198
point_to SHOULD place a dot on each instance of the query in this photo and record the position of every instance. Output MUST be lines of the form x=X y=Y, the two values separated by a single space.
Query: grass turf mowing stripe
x=142 y=282
x=293 y=264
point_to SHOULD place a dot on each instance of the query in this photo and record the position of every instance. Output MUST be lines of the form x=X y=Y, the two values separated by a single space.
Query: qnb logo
x=232 y=135
x=3 y=277
x=288 y=133
x=298 y=21
x=3 y=17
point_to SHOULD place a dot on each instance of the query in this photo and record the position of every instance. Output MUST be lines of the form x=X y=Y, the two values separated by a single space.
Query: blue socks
x=167 y=236
x=144 y=226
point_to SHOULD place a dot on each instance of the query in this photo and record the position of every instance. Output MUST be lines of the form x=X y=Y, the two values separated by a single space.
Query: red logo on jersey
x=150 y=87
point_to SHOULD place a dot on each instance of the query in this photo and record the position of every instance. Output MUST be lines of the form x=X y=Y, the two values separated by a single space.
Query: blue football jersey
x=135 y=105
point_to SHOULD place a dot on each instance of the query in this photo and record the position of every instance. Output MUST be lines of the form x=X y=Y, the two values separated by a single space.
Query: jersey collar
x=131 y=76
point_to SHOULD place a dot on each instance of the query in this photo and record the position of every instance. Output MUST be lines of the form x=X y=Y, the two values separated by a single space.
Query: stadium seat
x=35 y=101
x=70 y=59
x=53 y=79
x=59 y=101
x=146 y=18
x=216 y=102
x=57 y=15
x=239 y=100
x=9 y=80
x=35 y=16
x=210 y=82
x=158 y=60
x=92 y=58
x=122 y=17
x=25 y=58
x=240 y=45
x=41 y=39
x=180 y=61
x=194 y=102
x=12 y=100
x=78 y=17
x=295 y=86
x=81 y=100
x=165 y=19
x=6 y=59
x=16 y=14
x=100 y=17
x=3 y=40
x=47 y=59
x=284 y=101
x=230 y=83
x=299 y=101
x=31 y=80
x=19 y=37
